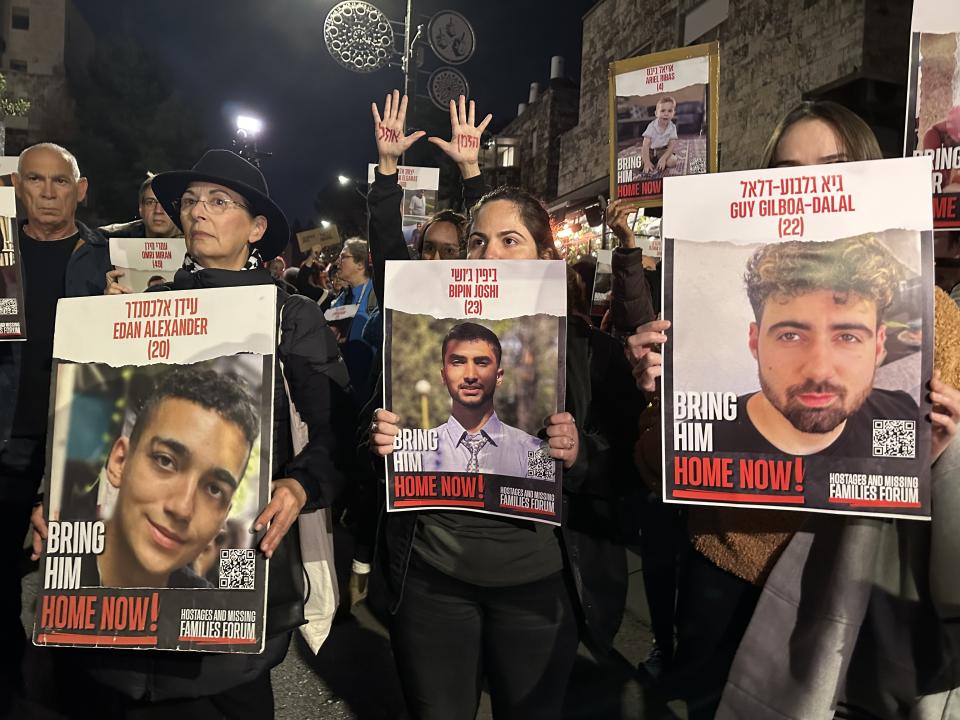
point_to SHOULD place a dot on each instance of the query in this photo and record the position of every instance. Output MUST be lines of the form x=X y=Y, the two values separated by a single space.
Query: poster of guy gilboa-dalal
x=158 y=463
x=801 y=303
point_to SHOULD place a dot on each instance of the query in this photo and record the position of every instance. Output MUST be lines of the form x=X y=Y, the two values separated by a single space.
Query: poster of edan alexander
x=158 y=463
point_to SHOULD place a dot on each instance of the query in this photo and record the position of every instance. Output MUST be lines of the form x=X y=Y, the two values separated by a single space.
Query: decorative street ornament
x=358 y=36
x=451 y=37
x=446 y=84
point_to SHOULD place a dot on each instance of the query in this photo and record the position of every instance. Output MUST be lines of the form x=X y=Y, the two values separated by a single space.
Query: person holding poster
x=231 y=227
x=60 y=257
x=504 y=587
x=736 y=552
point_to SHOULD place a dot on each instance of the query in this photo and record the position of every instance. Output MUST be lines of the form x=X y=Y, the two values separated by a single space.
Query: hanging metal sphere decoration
x=358 y=36
x=446 y=84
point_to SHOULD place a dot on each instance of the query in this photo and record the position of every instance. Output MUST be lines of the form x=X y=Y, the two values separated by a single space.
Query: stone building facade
x=39 y=40
x=527 y=151
x=773 y=53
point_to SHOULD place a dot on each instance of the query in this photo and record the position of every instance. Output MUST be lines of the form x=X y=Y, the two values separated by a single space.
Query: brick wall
x=772 y=52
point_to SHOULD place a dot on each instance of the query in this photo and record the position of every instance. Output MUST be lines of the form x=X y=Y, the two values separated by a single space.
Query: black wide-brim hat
x=226 y=168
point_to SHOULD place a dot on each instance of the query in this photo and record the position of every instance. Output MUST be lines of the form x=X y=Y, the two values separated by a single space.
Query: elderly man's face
x=48 y=190
x=156 y=222
x=219 y=239
x=817 y=357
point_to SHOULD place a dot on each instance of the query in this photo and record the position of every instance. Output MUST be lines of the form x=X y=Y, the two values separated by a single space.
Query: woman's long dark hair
x=534 y=215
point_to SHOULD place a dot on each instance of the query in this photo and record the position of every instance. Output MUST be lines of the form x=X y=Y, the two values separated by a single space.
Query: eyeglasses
x=215 y=205
x=149 y=203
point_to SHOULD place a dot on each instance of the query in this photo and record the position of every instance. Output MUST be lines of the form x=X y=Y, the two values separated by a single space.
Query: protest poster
x=12 y=317
x=663 y=120
x=146 y=262
x=801 y=303
x=933 y=103
x=321 y=237
x=420 y=185
x=474 y=358
x=602 y=283
x=158 y=458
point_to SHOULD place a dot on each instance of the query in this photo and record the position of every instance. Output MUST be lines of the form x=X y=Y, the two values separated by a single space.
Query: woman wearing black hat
x=231 y=228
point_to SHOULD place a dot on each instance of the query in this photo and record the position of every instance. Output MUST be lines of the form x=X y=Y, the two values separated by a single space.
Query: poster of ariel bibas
x=663 y=120
x=933 y=103
x=158 y=463
x=474 y=358
x=801 y=303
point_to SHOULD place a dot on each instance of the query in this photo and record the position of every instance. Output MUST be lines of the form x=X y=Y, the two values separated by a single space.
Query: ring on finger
x=374 y=427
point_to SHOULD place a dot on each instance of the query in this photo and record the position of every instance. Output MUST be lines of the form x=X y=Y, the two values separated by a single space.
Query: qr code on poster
x=895 y=438
x=237 y=569
x=540 y=465
x=8 y=306
x=698 y=166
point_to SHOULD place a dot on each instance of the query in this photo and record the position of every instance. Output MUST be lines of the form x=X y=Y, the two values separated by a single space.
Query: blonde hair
x=666 y=99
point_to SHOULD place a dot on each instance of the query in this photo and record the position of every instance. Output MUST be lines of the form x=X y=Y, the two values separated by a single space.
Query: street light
x=245 y=140
x=422 y=388
x=324 y=224
x=343 y=179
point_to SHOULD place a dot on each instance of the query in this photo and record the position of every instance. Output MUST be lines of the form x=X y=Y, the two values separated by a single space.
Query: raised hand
x=464 y=144
x=389 y=131
x=617 y=213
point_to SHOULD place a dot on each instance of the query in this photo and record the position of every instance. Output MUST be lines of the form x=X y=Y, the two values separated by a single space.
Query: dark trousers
x=714 y=608
x=21 y=465
x=663 y=535
x=447 y=635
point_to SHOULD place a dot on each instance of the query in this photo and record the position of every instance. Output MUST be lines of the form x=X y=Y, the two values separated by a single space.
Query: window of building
x=21 y=18
x=505 y=156
x=701 y=24
x=18 y=65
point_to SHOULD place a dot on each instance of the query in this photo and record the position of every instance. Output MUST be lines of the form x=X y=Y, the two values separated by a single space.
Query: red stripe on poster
x=218 y=640
x=78 y=639
x=421 y=503
x=737 y=497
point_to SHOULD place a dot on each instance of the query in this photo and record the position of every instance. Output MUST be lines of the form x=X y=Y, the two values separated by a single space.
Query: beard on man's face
x=816 y=420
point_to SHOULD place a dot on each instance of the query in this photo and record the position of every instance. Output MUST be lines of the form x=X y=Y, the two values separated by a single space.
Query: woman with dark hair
x=441 y=237
x=797 y=579
x=514 y=593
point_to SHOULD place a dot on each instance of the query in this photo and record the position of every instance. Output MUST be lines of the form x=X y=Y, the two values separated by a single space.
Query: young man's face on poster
x=176 y=485
x=471 y=372
x=817 y=354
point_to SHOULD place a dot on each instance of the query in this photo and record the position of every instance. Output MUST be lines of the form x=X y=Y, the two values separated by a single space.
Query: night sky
x=268 y=57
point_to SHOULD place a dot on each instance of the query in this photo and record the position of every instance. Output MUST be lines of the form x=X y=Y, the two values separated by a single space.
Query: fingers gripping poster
x=802 y=387
x=158 y=463
x=474 y=364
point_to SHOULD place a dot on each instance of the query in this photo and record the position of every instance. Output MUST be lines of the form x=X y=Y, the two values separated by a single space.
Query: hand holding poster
x=933 y=103
x=663 y=120
x=146 y=262
x=473 y=363
x=159 y=461
x=824 y=338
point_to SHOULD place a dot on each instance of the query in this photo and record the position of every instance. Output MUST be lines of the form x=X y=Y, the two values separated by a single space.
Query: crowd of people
x=754 y=613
